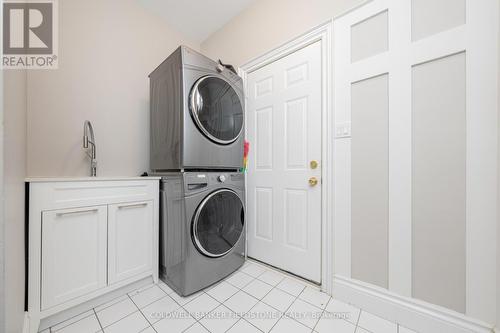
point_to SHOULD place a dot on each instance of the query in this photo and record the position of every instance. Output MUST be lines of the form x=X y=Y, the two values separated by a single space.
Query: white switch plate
x=343 y=130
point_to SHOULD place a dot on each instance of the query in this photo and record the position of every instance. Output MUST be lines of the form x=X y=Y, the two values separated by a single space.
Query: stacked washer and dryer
x=197 y=141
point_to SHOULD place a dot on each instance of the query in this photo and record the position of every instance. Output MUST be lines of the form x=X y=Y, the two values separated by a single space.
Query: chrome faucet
x=88 y=130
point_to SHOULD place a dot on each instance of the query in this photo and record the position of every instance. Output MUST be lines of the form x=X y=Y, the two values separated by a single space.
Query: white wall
x=14 y=173
x=106 y=51
x=269 y=23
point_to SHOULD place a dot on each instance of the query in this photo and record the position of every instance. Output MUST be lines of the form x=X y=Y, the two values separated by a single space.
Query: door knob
x=313 y=181
x=313 y=164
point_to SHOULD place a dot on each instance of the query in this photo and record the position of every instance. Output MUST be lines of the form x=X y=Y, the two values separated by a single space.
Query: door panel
x=130 y=240
x=284 y=129
x=73 y=254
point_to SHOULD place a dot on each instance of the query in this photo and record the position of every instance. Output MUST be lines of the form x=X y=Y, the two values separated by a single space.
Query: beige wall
x=268 y=24
x=14 y=173
x=106 y=51
x=498 y=194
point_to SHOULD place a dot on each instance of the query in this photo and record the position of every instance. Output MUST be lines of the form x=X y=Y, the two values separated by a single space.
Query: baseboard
x=414 y=314
x=26 y=323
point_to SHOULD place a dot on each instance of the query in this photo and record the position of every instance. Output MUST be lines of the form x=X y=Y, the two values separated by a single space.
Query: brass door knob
x=313 y=164
x=313 y=181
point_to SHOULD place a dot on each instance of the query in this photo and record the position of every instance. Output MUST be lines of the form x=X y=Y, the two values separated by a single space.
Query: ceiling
x=196 y=19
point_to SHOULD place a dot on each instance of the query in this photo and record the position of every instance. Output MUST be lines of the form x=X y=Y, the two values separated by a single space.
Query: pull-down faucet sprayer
x=88 y=130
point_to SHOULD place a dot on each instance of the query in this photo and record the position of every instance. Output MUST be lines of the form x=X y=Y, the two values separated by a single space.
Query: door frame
x=322 y=33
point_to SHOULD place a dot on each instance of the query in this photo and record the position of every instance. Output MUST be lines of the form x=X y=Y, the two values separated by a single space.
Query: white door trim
x=321 y=33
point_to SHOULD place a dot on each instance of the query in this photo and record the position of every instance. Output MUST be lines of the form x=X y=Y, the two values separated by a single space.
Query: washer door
x=218 y=223
x=216 y=109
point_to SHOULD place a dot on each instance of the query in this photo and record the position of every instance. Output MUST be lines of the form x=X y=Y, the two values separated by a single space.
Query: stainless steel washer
x=202 y=228
x=197 y=114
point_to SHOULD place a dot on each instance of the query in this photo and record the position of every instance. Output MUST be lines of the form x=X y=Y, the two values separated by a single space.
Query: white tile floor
x=254 y=299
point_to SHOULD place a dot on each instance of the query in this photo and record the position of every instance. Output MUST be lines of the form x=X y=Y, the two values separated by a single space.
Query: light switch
x=343 y=130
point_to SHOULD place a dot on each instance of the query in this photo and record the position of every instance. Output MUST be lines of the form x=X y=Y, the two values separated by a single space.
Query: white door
x=284 y=109
x=130 y=237
x=73 y=253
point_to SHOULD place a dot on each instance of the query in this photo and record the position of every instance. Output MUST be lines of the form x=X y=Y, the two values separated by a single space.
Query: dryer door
x=218 y=223
x=216 y=109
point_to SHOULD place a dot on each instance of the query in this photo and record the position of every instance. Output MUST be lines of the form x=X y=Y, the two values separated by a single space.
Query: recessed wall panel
x=264 y=213
x=430 y=17
x=439 y=159
x=296 y=133
x=369 y=180
x=264 y=138
x=370 y=37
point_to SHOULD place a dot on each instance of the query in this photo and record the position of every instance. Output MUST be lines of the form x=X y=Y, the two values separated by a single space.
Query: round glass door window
x=216 y=109
x=218 y=223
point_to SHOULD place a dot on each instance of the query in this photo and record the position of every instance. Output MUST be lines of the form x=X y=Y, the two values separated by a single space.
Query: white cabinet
x=130 y=242
x=73 y=253
x=90 y=239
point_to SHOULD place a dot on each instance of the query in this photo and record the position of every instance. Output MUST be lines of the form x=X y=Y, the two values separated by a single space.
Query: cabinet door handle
x=133 y=205
x=78 y=212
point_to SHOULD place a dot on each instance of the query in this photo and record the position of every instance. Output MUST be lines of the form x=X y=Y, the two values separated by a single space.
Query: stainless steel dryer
x=197 y=114
x=202 y=228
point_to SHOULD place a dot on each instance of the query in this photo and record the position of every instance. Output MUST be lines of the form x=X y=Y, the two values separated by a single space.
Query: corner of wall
x=14 y=173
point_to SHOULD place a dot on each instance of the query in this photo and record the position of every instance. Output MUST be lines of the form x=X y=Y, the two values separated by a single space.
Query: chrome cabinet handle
x=77 y=212
x=143 y=204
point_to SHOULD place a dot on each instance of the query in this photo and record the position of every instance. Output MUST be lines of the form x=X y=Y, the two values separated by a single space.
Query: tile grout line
x=265 y=269
x=50 y=328
x=240 y=289
x=98 y=321
x=243 y=291
x=305 y=284
x=284 y=313
x=261 y=300
x=149 y=323
x=295 y=297
x=359 y=317
x=323 y=312
x=357 y=322
x=197 y=321
x=320 y=317
x=287 y=274
x=127 y=315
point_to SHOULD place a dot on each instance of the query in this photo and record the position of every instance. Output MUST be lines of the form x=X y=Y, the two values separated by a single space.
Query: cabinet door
x=73 y=253
x=130 y=237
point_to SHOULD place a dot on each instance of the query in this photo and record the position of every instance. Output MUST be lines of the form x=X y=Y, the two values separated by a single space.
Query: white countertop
x=84 y=179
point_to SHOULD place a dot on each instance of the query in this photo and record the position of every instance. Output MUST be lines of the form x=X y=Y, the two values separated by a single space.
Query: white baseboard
x=26 y=323
x=408 y=312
